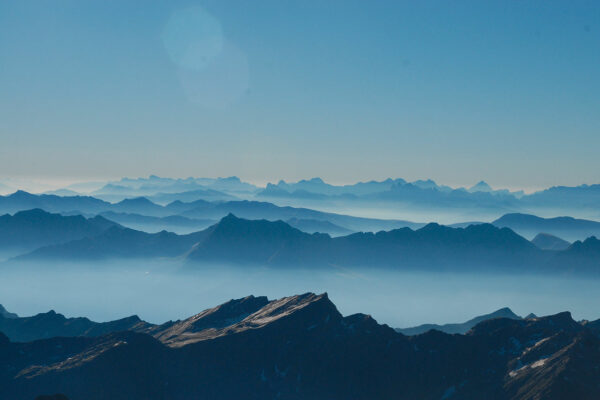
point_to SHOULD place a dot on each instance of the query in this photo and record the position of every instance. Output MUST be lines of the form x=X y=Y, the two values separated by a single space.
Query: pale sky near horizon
x=456 y=91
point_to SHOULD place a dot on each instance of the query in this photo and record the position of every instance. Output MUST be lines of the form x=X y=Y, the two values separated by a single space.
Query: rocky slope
x=301 y=347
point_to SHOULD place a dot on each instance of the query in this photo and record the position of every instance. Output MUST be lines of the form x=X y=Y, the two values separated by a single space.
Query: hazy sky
x=457 y=91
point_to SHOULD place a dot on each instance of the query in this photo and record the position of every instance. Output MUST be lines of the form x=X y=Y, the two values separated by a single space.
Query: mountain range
x=482 y=247
x=390 y=194
x=461 y=328
x=196 y=210
x=527 y=225
x=567 y=228
x=301 y=347
x=35 y=228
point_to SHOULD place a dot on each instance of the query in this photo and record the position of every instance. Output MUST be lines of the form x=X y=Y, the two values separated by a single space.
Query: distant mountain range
x=320 y=226
x=277 y=243
x=300 y=347
x=421 y=194
x=564 y=227
x=119 y=242
x=263 y=210
x=240 y=241
x=36 y=228
x=390 y=194
x=461 y=328
x=429 y=193
x=165 y=190
x=174 y=223
x=199 y=210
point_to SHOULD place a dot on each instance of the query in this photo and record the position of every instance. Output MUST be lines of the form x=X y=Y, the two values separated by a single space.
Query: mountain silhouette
x=172 y=223
x=546 y=241
x=118 y=242
x=21 y=200
x=264 y=210
x=564 y=227
x=565 y=197
x=250 y=241
x=461 y=328
x=35 y=228
x=240 y=241
x=315 y=225
x=481 y=186
x=191 y=195
x=51 y=324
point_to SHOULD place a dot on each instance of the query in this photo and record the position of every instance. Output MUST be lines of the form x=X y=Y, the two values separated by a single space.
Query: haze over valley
x=299 y=200
x=191 y=250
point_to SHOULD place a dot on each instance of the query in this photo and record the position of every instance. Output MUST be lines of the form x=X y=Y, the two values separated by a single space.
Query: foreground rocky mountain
x=301 y=347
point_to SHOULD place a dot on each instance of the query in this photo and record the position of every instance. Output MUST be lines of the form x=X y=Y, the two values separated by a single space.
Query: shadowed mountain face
x=461 y=328
x=36 y=228
x=301 y=347
x=545 y=241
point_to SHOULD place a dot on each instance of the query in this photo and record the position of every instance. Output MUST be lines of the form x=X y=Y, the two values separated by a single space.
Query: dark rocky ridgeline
x=301 y=347
x=52 y=324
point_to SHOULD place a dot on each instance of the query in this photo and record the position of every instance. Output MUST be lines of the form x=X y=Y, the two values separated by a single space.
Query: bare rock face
x=301 y=347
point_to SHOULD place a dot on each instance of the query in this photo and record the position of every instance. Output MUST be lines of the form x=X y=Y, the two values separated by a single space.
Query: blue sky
x=457 y=91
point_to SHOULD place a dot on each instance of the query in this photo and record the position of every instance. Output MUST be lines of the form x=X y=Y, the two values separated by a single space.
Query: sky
x=457 y=91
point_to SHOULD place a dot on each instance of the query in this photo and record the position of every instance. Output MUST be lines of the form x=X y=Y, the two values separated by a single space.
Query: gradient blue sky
x=457 y=91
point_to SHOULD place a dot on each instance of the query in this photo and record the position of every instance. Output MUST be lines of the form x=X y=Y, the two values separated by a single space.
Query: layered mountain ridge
x=239 y=241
